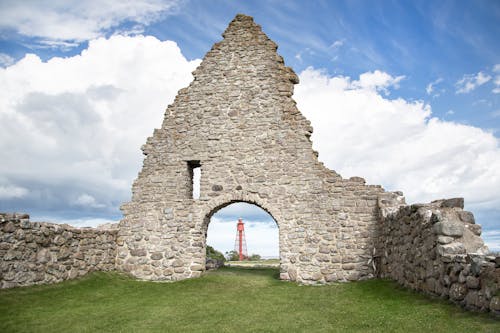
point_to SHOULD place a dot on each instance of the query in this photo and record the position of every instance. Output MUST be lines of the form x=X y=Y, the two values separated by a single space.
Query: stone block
x=450 y=249
x=458 y=291
x=471 y=299
x=474 y=228
x=138 y=252
x=324 y=249
x=348 y=267
x=445 y=239
x=9 y=227
x=43 y=256
x=449 y=228
x=196 y=267
x=331 y=277
x=495 y=303
x=453 y=203
x=156 y=256
x=217 y=188
x=472 y=282
x=179 y=269
x=466 y=217
x=178 y=263
x=13 y=254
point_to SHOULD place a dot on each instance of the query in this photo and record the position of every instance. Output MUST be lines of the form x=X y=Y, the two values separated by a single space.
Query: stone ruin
x=238 y=124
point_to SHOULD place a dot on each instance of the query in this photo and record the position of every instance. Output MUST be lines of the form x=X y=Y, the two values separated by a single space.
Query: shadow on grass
x=269 y=272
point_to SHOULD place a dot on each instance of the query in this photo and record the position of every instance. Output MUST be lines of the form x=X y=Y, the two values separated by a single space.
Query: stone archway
x=208 y=220
x=237 y=123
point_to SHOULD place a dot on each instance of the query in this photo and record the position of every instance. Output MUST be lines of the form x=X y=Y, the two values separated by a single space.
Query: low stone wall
x=39 y=253
x=436 y=248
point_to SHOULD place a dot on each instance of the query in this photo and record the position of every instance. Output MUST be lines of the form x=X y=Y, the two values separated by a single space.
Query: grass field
x=229 y=300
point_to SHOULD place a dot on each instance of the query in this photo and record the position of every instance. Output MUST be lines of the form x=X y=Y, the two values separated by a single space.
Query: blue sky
x=410 y=87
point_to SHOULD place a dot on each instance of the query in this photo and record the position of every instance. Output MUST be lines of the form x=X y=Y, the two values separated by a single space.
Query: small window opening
x=195 y=178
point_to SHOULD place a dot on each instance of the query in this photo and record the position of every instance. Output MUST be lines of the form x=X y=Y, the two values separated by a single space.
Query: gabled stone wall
x=40 y=253
x=238 y=121
x=436 y=248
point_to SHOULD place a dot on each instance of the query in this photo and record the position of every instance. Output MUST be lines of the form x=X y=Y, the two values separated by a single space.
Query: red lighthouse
x=240 y=244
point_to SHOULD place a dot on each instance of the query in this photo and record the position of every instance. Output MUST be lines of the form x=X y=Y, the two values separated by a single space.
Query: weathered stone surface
x=454 y=202
x=238 y=122
x=138 y=252
x=495 y=303
x=9 y=227
x=466 y=217
x=449 y=228
x=426 y=247
x=453 y=248
x=217 y=188
x=445 y=239
x=458 y=291
x=475 y=229
x=157 y=256
x=47 y=253
x=472 y=282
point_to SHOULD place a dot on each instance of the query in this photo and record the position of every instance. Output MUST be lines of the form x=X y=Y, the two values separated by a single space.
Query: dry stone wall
x=436 y=248
x=238 y=121
x=39 y=253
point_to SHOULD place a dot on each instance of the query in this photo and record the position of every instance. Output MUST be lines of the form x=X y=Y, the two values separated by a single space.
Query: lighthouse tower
x=240 y=244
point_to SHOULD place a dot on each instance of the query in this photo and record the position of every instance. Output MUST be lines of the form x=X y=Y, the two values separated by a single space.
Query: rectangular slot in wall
x=194 y=178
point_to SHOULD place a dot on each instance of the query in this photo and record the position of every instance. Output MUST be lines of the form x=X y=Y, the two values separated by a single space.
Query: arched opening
x=261 y=234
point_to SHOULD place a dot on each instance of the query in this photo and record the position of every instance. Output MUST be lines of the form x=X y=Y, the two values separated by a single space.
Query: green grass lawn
x=229 y=300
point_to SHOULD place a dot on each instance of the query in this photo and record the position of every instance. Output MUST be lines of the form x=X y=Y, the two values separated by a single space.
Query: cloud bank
x=73 y=127
x=72 y=20
x=397 y=143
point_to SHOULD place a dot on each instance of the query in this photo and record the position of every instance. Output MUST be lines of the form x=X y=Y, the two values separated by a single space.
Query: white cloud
x=377 y=81
x=470 y=82
x=430 y=87
x=6 y=60
x=55 y=44
x=261 y=237
x=75 y=125
x=397 y=143
x=86 y=200
x=337 y=44
x=77 y=20
x=9 y=192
